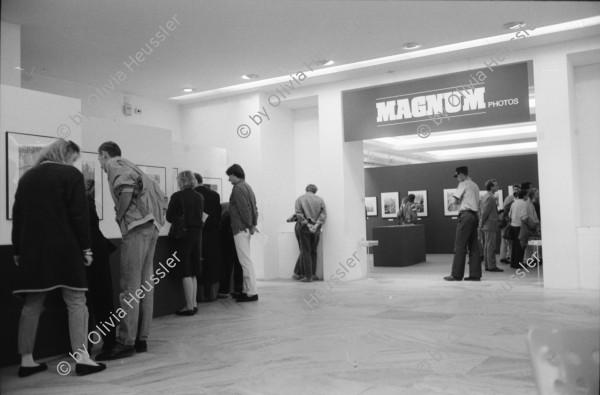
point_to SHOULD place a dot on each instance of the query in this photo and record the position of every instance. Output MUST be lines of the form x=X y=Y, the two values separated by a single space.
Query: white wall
x=103 y=103
x=307 y=149
x=277 y=187
x=586 y=135
x=10 y=54
x=30 y=112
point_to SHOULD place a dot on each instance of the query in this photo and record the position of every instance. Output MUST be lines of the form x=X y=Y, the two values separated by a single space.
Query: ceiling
x=212 y=43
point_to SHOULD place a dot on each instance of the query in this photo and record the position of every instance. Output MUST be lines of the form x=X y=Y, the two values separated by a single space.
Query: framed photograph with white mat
x=421 y=202
x=389 y=204
x=371 y=206
x=22 y=151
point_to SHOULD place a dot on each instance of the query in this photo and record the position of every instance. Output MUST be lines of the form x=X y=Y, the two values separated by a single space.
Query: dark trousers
x=308 y=250
x=517 y=252
x=298 y=269
x=230 y=263
x=100 y=297
x=466 y=239
x=208 y=282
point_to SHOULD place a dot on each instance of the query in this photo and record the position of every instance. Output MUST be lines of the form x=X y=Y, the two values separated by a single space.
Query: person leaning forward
x=140 y=208
x=467 y=196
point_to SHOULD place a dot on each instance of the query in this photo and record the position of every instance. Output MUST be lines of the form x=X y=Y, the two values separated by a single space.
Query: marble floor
x=403 y=331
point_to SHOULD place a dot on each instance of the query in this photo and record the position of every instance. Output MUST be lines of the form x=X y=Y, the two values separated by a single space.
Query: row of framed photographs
x=22 y=151
x=390 y=203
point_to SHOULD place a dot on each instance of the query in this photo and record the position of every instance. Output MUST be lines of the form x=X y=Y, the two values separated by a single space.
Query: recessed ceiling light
x=250 y=76
x=188 y=90
x=413 y=45
x=514 y=25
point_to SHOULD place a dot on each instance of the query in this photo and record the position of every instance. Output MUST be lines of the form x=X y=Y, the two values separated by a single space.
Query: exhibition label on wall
x=494 y=95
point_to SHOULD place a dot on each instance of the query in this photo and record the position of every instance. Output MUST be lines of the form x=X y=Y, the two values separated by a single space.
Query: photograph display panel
x=156 y=174
x=421 y=202
x=389 y=204
x=450 y=205
x=371 y=206
x=92 y=174
x=22 y=150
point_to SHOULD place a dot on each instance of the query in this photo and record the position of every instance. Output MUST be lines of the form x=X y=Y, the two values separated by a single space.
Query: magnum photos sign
x=469 y=99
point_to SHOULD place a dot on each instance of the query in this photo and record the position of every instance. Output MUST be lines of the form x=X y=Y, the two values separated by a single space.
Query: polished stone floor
x=403 y=331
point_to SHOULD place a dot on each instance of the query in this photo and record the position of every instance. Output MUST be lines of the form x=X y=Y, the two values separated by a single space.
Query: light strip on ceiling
x=484 y=149
x=436 y=138
x=540 y=31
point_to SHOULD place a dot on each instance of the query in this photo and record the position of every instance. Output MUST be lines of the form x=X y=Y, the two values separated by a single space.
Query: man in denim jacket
x=139 y=206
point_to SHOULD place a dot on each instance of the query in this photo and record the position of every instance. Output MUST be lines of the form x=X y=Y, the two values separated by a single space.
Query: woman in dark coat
x=100 y=295
x=51 y=240
x=190 y=204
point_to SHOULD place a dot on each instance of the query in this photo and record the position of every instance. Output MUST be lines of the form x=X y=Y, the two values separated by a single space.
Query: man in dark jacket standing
x=243 y=224
x=211 y=248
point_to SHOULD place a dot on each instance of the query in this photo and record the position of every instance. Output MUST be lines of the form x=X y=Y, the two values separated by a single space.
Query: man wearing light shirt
x=467 y=196
x=311 y=214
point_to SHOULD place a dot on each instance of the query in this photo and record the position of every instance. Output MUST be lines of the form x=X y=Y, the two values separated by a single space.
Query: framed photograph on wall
x=450 y=205
x=22 y=150
x=389 y=204
x=215 y=184
x=92 y=174
x=371 y=206
x=421 y=202
x=156 y=174
x=175 y=184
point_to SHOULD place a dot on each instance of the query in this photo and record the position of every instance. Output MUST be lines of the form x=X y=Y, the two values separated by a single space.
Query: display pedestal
x=400 y=245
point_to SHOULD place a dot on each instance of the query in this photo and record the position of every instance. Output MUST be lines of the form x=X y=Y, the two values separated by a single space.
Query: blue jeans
x=466 y=238
x=137 y=264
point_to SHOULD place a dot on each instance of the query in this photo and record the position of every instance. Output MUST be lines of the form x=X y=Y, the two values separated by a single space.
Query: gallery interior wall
x=434 y=178
x=587 y=141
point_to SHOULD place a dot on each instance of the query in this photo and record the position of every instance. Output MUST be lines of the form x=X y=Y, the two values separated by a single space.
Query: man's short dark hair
x=111 y=148
x=311 y=188
x=199 y=179
x=489 y=184
x=411 y=198
x=526 y=185
x=522 y=193
x=237 y=171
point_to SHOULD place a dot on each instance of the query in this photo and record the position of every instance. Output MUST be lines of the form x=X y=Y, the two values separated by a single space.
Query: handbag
x=178 y=228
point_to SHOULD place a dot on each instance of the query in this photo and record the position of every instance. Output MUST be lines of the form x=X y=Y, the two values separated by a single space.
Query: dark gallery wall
x=434 y=178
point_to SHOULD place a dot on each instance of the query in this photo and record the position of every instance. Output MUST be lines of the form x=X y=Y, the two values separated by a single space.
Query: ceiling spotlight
x=413 y=45
x=514 y=25
x=188 y=90
x=250 y=76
